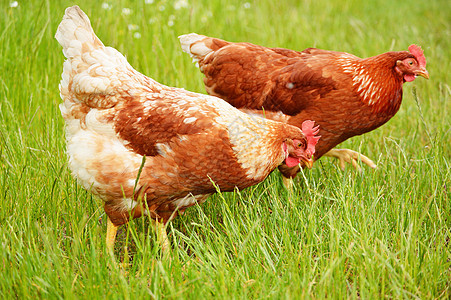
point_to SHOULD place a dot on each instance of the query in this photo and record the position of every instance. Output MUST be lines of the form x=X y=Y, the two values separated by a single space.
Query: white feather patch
x=189 y=120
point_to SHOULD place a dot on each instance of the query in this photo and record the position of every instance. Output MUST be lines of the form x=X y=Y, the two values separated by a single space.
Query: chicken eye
x=301 y=145
x=410 y=62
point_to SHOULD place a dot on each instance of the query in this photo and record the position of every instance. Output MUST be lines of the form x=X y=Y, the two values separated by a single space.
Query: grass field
x=384 y=233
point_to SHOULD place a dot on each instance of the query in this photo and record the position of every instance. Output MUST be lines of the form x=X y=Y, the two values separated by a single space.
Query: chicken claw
x=351 y=157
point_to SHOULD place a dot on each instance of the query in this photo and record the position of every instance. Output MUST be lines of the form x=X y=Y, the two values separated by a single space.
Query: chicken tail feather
x=195 y=45
x=75 y=33
x=92 y=73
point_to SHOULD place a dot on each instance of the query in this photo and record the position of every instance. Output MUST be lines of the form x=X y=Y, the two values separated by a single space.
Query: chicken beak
x=308 y=163
x=422 y=72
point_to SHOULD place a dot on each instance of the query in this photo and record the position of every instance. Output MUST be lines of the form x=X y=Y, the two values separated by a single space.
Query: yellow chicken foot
x=351 y=157
x=162 y=237
x=288 y=183
x=111 y=231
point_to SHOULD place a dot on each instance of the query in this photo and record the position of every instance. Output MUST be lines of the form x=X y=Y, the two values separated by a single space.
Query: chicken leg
x=351 y=157
x=111 y=231
x=162 y=237
x=288 y=182
x=160 y=230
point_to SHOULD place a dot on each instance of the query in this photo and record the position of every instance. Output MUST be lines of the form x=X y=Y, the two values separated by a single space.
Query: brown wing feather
x=143 y=129
x=255 y=77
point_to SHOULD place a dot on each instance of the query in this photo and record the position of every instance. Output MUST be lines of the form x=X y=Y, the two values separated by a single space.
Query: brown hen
x=346 y=95
x=148 y=149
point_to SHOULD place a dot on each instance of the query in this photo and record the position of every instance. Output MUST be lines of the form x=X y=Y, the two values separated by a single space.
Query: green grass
x=383 y=233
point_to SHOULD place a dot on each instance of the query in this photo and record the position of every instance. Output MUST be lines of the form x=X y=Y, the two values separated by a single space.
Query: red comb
x=309 y=131
x=418 y=53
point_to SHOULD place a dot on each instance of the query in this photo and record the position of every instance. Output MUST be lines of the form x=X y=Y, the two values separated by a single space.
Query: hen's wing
x=164 y=117
x=252 y=76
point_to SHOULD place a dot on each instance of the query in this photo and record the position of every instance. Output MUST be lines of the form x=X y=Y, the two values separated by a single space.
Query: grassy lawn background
x=382 y=233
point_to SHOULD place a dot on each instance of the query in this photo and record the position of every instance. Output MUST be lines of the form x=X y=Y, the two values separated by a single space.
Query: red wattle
x=292 y=161
x=409 y=77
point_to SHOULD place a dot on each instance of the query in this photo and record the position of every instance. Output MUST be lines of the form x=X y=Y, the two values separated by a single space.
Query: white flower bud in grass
x=126 y=11
x=180 y=4
x=132 y=27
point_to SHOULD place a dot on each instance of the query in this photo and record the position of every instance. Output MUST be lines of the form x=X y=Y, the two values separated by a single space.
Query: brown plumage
x=344 y=94
x=148 y=149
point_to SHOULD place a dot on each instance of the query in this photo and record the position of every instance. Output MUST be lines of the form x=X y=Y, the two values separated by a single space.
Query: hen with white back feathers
x=120 y=123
